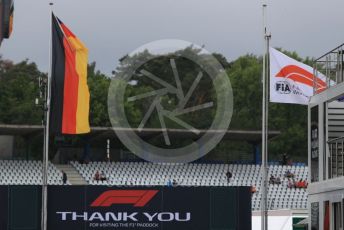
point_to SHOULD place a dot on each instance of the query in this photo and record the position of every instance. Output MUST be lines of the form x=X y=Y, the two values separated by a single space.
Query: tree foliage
x=18 y=90
x=98 y=85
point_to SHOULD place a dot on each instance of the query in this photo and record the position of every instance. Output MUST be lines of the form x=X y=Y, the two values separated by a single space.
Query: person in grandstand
x=229 y=176
x=253 y=189
x=64 y=177
x=301 y=184
x=96 y=176
x=305 y=184
x=272 y=179
x=290 y=183
x=284 y=159
x=289 y=174
x=102 y=176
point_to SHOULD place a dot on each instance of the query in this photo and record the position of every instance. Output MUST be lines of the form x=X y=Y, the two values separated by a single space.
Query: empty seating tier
x=14 y=172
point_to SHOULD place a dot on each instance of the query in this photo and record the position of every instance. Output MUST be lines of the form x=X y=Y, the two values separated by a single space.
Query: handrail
x=329 y=52
x=335 y=139
x=331 y=66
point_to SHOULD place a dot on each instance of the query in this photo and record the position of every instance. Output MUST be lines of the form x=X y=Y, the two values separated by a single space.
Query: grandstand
x=145 y=173
x=151 y=174
x=125 y=171
x=27 y=173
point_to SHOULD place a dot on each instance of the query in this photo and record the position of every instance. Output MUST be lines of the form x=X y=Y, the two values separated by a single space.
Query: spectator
x=272 y=180
x=102 y=176
x=64 y=177
x=297 y=184
x=300 y=184
x=97 y=176
x=294 y=182
x=253 y=189
x=174 y=183
x=305 y=184
x=229 y=176
x=290 y=183
x=288 y=174
x=284 y=159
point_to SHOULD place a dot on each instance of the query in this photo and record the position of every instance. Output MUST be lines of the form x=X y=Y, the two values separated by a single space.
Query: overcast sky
x=113 y=28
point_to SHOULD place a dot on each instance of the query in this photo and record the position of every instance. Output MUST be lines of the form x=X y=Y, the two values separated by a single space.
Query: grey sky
x=113 y=28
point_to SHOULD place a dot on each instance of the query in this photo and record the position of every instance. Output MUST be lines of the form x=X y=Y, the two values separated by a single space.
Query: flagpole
x=46 y=134
x=265 y=114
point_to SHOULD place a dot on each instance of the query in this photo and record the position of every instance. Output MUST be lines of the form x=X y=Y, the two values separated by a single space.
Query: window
x=337 y=216
x=315 y=216
x=324 y=141
x=326 y=215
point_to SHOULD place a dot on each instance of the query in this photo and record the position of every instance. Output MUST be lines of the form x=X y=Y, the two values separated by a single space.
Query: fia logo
x=283 y=87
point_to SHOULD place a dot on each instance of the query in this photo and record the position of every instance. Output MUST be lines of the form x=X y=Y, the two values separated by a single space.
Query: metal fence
x=331 y=65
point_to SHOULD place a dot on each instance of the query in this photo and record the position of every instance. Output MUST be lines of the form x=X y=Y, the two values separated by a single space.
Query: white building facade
x=326 y=145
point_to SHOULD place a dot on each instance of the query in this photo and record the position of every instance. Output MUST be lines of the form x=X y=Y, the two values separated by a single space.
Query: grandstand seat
x=145 y=173
x=17 y=172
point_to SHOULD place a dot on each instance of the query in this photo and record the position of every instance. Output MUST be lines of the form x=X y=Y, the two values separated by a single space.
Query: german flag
x=70 y=98
x=6 y=18
x=11 y=20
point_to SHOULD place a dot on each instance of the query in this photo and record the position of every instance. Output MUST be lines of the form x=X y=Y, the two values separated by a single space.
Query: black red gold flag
x=70 y=98
x=10 y=29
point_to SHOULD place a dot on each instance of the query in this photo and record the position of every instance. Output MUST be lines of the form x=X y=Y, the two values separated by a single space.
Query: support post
x=46 y=135
x=265 y=115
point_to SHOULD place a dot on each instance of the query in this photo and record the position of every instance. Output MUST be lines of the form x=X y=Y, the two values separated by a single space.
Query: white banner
x=292 y=81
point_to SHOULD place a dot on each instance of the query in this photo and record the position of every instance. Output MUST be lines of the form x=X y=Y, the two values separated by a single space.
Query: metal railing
x=336 y=158
x=331 y=65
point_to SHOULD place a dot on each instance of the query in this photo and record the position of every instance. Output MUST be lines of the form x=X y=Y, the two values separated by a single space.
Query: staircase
x=73 y=176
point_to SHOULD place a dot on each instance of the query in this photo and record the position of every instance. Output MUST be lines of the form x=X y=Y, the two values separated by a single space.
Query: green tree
x=18 y=90
x=98 y=85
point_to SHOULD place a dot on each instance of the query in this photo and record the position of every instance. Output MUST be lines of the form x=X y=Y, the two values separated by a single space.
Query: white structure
x=326 y=145
x=279 y=219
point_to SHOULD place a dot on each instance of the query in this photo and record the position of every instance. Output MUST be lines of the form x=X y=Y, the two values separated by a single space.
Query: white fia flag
x=292 y=81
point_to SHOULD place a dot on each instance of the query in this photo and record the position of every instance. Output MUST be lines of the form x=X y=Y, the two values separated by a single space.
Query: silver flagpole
x=267 y=37
x=46 y=134
x=265 y=114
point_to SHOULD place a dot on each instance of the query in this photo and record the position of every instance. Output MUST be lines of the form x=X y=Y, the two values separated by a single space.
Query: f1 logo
x=138 y=198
